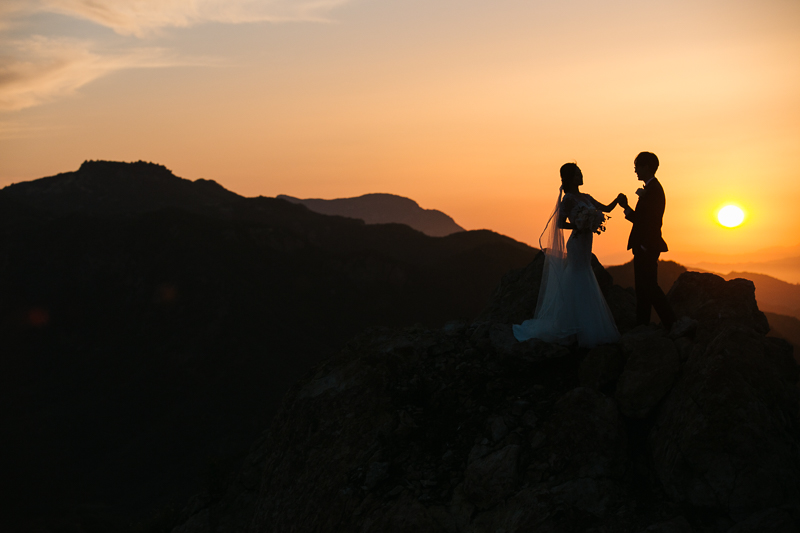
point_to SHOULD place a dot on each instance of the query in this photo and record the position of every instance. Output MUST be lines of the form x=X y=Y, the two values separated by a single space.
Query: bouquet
x=588 y=218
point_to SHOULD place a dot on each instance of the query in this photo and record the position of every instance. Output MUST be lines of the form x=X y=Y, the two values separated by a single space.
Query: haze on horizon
x=464 y=106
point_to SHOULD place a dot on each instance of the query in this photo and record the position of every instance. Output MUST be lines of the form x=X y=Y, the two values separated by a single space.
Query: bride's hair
x=568 y=172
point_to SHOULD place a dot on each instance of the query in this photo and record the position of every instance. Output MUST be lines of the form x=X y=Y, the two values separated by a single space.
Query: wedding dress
x=571 y=306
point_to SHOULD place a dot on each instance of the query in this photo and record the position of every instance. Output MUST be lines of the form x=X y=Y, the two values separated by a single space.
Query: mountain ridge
x=383 y=208
x=148 y=342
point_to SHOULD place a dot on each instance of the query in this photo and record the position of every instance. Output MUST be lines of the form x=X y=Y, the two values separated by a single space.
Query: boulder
x=601 y=367
x=515 y=298
x=714 y=302
x=676 y=525
x=587 y=435
x=490 y=479
x=727 y=434
x=652 y=365
x=771 y=520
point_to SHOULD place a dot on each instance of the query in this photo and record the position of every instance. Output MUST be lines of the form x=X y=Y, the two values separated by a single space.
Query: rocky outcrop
x=461 y=430
x=652 y=366
x=714 y=302
x=726 y=436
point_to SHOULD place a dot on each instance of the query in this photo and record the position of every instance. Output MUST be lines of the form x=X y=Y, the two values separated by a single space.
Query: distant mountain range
x=384 y=209
x=787 y=268
x=152 y=324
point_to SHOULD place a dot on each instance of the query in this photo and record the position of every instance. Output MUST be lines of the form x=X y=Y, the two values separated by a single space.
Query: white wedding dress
x=571 y=307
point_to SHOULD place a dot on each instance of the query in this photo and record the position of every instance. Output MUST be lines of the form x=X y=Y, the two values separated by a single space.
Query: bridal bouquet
x=589 y=219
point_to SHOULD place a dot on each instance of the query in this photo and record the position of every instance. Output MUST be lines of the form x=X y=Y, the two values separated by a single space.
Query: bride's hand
x=622 y=200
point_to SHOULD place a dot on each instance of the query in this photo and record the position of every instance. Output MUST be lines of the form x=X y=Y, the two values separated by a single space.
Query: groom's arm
x=630 y=213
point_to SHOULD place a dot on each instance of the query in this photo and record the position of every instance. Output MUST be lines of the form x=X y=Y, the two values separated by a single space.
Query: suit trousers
x=648 y=294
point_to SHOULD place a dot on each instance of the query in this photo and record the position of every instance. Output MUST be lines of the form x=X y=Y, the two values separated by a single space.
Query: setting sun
x=730 y=216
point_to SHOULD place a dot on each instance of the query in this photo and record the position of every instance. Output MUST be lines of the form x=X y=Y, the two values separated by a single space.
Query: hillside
x=152 y=325
x=384 y=209
x=464 y=429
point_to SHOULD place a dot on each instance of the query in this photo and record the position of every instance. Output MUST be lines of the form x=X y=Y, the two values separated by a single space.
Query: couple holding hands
x=571 y=306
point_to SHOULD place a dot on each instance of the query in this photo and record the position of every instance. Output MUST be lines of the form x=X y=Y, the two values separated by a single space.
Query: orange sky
x=465 y=106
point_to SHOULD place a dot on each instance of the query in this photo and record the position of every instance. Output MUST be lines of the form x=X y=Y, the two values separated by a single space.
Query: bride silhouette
x=571 y=306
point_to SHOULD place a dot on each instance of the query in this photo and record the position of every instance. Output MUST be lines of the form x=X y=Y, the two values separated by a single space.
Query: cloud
x=140 y=17
x=38 y=69
x=42 y=69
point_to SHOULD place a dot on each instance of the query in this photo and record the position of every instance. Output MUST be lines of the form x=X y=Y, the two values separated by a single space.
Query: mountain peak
x=384 y=208
x=112 y=187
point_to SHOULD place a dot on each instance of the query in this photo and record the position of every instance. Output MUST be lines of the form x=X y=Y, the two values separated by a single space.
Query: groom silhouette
x=646 y=242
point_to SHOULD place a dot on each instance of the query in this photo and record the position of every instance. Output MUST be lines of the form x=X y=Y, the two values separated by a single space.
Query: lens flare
x=730 y=216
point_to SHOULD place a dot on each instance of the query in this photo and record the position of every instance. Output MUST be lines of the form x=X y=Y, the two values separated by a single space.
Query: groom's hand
x=622 y=200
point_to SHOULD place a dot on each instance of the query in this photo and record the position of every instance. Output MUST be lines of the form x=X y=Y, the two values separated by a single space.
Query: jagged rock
x=587 y=435
x=676 y=525
x=522 y=512
x=652 y=365
x=490 y=479
x=714 y=302
x=770 y=520
x=622 y=303
x=585 y=494
x=406 y=514
x=727 y=435
x=683 y=327
x=461 y=430
x=515 y=298
x=601 y=366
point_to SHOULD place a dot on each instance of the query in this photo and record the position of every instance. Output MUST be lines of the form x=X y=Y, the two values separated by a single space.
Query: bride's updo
x=568 y=173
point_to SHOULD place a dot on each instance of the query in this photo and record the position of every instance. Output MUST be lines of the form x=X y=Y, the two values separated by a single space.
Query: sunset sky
x=465 y=106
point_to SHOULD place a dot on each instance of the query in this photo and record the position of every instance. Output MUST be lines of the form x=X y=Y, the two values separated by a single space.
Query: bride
x=571 y=306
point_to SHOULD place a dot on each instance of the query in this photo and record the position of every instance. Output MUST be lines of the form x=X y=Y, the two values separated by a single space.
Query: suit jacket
x=647 y=219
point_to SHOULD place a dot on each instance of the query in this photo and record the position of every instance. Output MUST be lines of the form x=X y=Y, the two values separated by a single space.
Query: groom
x=646 y=242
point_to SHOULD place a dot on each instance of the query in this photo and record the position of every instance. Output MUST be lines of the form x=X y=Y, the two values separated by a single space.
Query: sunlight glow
x=730 y=216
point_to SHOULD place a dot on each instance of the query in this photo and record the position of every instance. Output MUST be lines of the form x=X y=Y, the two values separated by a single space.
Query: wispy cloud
x=141 y=17
x=41 y=69
x=37 y=69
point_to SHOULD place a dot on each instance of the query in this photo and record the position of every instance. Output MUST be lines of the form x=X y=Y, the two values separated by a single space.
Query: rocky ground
x=464 y=429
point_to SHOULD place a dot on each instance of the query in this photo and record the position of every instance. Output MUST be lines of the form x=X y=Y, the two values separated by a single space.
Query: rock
x=587 y=435
x=454 y=328
x=676 y=525
x=683 y=327
x=714 y=302
x=529 y=419
x=377 y=472
x=727 y=435
x=652 y=365
x=522 y=512
x=490 y=479
x=515 y=298
x=498 y=428
x=585 y=494
x=601 y=366
x=622 y=303
x=406 y=514
x=770 y=520
x=502 y=338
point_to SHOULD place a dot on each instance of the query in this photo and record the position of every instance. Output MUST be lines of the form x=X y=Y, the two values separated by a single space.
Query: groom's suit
x=647 y=244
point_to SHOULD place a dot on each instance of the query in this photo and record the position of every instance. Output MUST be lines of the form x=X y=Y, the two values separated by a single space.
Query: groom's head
x=645 y=165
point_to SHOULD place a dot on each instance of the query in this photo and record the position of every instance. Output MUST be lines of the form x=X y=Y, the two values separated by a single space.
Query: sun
x=730 y=216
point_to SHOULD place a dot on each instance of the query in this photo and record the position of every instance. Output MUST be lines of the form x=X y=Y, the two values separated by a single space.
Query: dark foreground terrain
x=151 y=326
x=463 y=429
